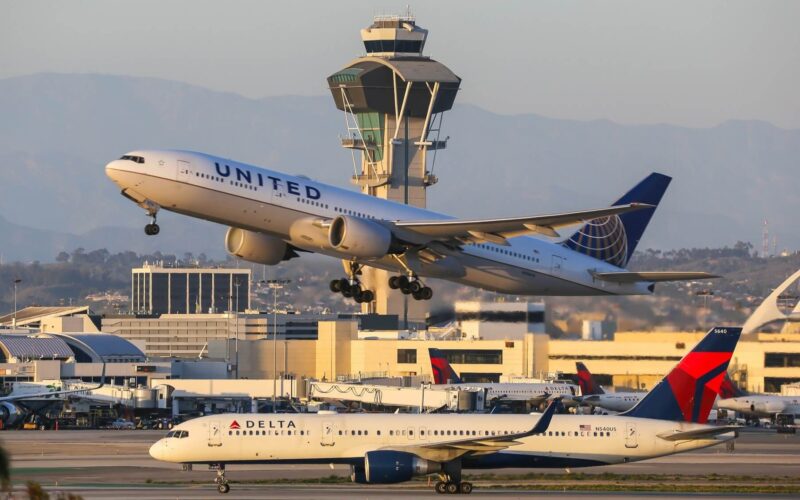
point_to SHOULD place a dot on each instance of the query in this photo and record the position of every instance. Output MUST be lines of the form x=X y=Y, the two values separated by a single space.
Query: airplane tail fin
x=688 y=392
x=586 y=381
x=614 y=238
x=443 y=373
x=729 y=389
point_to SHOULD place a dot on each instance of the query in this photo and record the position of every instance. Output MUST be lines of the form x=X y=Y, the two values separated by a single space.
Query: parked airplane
x=594 y=395
x=273 y=215
x=535 y=393
x=27 y=398
x=759 y=405
x=392 y=448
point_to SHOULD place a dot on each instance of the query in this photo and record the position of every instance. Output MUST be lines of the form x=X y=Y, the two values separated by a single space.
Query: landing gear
x=450 y=480
x=151 y=229
x=412 y=286
x=351 y=287
x=220 y=481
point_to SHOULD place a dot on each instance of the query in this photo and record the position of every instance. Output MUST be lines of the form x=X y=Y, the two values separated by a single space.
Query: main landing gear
x=220 y=480
x=351 y=287
x=412 y=286
x=450 y=481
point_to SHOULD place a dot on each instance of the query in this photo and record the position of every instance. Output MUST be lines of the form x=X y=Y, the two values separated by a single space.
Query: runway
x=115 y=464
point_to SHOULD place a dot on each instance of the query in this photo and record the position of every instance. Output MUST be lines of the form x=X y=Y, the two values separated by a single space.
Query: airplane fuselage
x=761 y=405
x=285 y=206
x=569 y=441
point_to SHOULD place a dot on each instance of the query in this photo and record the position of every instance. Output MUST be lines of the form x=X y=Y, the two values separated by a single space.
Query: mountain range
x=57 y=131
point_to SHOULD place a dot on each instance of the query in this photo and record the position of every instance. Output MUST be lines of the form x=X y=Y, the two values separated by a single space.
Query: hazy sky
x=684 y=62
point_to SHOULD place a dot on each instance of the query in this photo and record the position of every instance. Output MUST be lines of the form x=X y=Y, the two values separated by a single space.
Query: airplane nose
x=157 y=450
x=113 y=168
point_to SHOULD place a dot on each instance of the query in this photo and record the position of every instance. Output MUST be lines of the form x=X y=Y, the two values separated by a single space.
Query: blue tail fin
x=613 y=239
x=688 y=392
x=443 y=373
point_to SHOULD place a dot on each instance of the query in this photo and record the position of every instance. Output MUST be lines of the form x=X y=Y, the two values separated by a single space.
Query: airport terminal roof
x=34 y=314
x=28 y=347
x=102 y=347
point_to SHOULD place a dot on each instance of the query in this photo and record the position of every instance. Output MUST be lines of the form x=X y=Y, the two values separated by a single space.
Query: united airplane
x=272 y=216
x=393 y=448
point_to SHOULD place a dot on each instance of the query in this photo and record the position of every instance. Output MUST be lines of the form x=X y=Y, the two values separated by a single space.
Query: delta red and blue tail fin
x=443 y=373
x=688 y=392
x=586 y=381
x=730 y=390
x=614 y=238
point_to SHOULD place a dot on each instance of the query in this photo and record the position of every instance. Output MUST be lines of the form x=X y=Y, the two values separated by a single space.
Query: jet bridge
x=424 y=397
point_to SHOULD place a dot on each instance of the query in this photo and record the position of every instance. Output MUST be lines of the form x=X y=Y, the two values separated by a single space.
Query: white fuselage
x=265 y=201
x=570 y=440
x=522 y=391
x=615 y=401
x=761 y=405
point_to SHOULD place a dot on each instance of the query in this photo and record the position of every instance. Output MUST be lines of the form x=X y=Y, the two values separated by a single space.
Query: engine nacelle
x=767 y=407
x=386 y=466
x=9 y=414
x=359 y=237
x=358 y=474
x=257 y=247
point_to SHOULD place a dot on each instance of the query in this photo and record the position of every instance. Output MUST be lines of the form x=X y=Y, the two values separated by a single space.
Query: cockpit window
x=171 y=433
x=183 y=434
x=137 y=159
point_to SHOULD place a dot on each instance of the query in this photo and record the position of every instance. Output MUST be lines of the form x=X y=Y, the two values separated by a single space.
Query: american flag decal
x=586 y=428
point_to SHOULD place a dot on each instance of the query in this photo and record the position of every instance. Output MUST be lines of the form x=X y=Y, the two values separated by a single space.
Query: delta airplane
x=594 y=395
x=535 y=393
x=392 y=448
x=273 y=215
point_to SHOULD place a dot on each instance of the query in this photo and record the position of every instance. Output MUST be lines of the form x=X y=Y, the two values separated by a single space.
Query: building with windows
x=499 y=320
x=179 y=290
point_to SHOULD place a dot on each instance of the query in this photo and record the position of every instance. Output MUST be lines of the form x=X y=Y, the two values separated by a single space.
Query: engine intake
x=257 y=247
x=359 y=237
x=386 y=466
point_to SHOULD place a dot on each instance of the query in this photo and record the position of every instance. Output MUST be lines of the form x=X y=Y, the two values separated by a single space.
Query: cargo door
x=214 y=433
x=630 y=435
x=328 y=433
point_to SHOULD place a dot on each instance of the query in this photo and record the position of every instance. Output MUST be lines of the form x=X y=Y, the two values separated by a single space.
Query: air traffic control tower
x=394 y=99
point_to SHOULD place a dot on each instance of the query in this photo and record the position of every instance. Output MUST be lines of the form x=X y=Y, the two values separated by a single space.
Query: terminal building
x=164 y=290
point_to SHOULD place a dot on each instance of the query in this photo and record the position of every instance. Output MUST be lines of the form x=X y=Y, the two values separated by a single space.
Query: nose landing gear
x=220 y=480
x=151 y=229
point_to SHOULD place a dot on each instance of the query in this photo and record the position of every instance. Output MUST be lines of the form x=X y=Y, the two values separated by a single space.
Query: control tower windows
x=393 y=46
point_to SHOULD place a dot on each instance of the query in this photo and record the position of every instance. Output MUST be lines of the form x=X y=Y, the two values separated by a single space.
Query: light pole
x=236 y=341
x=17 y=281
x=275 y=285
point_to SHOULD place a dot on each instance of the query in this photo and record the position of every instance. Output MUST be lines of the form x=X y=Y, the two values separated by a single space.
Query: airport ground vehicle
x=392 y=448
x=122 y=424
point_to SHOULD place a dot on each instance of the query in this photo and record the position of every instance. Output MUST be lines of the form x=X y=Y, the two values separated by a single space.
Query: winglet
x=544 y=421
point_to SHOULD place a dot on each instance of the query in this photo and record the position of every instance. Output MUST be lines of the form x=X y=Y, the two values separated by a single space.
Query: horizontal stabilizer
x=699 y=433
x=633 y=277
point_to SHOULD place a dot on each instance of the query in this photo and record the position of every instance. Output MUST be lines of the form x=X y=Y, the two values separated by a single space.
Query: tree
x=62 y=257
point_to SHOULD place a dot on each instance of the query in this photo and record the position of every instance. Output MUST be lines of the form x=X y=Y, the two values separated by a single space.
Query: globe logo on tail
x=603 y=238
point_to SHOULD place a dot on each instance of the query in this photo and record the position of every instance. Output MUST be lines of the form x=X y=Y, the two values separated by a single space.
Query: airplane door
x=184 y=170
x=556 y=264
x=630 y=435
x=214 y=433
x=328 y=433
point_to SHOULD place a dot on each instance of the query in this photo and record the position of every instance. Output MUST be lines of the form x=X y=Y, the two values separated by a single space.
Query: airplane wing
x=497 y=230
x=477 y=445
x=655 y=276
x=699 y=433
x=55 y=393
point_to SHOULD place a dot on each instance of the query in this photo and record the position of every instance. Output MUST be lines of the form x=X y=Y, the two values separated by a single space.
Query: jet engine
x=9 y=414
x=386 y=466
x=767 y=407
x=359 y=237
x=257 y=247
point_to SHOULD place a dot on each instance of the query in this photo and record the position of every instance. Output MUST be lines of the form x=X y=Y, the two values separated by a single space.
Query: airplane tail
x=586 y=381
x=729 y=389
x=688 y=392
x=614 y=238
x=443 y=373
